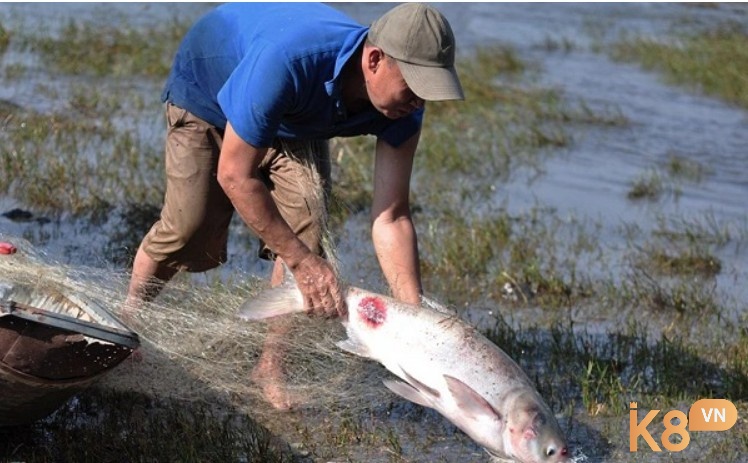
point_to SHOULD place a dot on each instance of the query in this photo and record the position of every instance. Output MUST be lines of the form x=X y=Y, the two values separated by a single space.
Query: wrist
x=295 y=257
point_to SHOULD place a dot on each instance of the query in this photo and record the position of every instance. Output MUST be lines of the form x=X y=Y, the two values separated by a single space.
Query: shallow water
x=586 y=181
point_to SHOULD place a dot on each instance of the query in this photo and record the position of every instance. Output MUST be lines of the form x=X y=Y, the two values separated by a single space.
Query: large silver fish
x=444 y=363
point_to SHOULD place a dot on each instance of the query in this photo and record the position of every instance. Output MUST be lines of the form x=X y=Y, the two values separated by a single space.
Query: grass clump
x=648 y=186
x=503 y=257
x=603 y=372
x=668 y=178
x=353 y=161
x=463 y=251
x=686 y=263
x=714 y=61
x=503 y=125
x=680 y=167
x=87 y=49
x=654 y=294
x=59 y=163
x=4 y=39
x=699 y=234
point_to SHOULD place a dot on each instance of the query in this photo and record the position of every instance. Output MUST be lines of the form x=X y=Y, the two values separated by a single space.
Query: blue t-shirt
x=274 y=70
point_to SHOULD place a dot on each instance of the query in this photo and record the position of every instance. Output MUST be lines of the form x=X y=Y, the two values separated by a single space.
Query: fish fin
x=436 y=306
x=407 y=392
x=413 y=390
x=288 y=279
x=353 y=346
x=419 y=385
x=273 y=302
x=470 y=402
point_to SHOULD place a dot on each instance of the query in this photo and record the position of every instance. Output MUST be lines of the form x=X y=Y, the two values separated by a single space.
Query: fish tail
x=273 y=302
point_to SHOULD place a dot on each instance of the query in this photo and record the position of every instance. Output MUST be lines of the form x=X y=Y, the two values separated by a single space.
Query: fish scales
x=444 y=363
x=444 y=339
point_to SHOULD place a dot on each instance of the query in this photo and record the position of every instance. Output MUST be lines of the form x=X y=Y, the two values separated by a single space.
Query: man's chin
x=394 y=114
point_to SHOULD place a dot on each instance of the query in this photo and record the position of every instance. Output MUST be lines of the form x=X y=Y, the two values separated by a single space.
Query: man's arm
x=392 y=231
x=238 y=175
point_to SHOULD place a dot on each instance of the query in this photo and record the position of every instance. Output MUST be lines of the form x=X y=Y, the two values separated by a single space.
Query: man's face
x=389 y=93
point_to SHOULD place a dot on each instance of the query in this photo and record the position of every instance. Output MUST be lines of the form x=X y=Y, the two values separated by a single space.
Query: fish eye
x=550 y=452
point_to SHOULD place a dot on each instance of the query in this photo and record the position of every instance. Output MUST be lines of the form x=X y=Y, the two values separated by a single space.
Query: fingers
x=319 y=286
x=324 y=298
x=318 y=302
x=339 y=302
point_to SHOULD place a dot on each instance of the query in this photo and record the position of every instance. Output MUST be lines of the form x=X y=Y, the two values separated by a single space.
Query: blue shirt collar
x=354 y=40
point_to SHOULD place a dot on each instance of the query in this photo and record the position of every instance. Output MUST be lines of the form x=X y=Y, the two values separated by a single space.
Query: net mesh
x=194 y=347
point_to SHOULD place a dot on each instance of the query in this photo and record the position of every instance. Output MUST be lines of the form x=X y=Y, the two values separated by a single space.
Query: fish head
x=535 y=437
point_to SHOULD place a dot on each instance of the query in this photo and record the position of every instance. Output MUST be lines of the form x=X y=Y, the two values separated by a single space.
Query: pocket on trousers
x=175 y=116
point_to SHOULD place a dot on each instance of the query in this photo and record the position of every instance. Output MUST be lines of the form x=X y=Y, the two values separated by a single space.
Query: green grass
x=87 y=49
x=667 y=180
x=70 y=164
x=680 y=167
x=5 y=36
x=648 y=186
x=603 y=372
x=78 y=158
x=685 y=263
x=715 y=62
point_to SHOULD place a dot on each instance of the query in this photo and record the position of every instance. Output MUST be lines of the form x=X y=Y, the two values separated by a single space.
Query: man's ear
x=374 y=58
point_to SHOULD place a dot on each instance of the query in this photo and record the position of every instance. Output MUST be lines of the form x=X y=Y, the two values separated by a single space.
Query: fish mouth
x=499 y=458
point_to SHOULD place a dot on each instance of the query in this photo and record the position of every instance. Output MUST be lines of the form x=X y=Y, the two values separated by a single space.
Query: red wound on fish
x=372 y=311
x=7 y=248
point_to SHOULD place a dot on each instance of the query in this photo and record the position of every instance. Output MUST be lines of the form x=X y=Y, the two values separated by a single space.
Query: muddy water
x=587 y=181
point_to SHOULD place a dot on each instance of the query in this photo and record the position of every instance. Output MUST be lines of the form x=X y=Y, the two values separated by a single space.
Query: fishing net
x=193 y=346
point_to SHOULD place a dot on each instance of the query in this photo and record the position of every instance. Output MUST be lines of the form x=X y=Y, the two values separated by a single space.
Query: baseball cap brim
x=432 y=83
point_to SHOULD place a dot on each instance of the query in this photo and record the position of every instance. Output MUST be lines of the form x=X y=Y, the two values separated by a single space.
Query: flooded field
x=585 y=212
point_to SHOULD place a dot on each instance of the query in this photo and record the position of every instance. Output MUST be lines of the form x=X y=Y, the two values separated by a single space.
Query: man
x=255 y=92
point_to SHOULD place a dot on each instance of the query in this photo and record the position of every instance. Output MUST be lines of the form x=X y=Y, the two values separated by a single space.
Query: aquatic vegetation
x=685 y=263
x=647 y=186
x=4 y=39
x=668 y=179
x=605 y=371
x=714 y=61
x=700 y=233
x=504 y=125
x=353 y=161
x=87 y=49
x=69 y=164
x=680 y=167
x=464 y=250
x=642 y=289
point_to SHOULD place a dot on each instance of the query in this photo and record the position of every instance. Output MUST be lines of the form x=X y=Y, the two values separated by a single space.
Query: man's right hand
x=238 y=175
x=319 y=287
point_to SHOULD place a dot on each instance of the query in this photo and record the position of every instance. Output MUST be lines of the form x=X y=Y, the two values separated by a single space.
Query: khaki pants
x=192 y=232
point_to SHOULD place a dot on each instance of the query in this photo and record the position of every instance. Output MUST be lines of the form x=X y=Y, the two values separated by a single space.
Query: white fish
x=443 y=363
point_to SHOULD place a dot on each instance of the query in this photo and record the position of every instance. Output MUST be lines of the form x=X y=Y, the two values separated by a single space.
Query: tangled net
x=193 y=347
